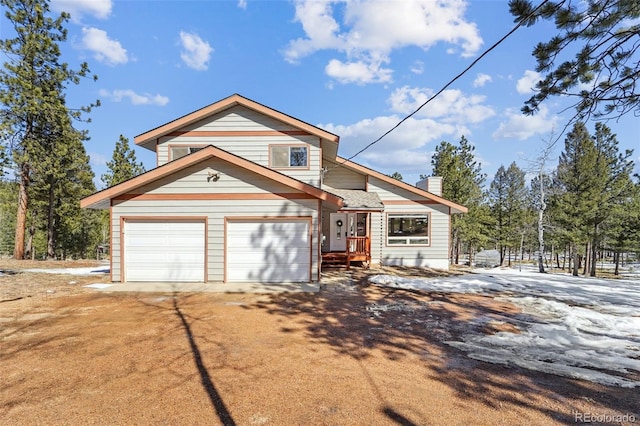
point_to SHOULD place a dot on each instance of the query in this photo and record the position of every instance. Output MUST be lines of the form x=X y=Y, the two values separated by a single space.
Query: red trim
x=228 y=219
x=223 y=196
x=225 y=104
x=227 y=133
x=386 y=229
x=204 y=219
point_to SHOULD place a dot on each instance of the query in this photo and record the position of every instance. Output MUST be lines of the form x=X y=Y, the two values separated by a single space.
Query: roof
x=226 y=103
x=101 y=199
x=455 y=207
x=359 y=200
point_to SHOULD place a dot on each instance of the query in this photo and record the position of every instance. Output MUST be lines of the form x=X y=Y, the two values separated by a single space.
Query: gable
x=149 y=139
x=392 y=189
x=177 y=174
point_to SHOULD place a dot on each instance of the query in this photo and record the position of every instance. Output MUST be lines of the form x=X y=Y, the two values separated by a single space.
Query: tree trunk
x=594 y=260
x=21 y=218
x=616 y=258
x=587 y=258
x=51 y=225
x=576 y=261
x=541 y=238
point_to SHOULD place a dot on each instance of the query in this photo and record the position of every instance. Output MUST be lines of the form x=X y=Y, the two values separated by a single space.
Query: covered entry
x=268 y=250
x=162 y=249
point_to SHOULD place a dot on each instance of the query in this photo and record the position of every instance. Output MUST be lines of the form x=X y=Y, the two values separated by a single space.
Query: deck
x=358 y=250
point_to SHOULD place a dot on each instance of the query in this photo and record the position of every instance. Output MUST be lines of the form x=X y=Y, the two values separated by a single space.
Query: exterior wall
x=191 y=195
x=342 y=178
x=397 y=200
x=247 y=134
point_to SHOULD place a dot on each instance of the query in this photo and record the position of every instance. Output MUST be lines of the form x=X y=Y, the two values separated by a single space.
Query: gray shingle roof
x=358 y=200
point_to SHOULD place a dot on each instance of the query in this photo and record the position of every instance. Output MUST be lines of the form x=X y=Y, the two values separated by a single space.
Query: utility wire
x=496 y=44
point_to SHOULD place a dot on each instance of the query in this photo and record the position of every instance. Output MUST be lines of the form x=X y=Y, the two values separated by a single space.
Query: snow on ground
x=583 y=328
x=94 y=270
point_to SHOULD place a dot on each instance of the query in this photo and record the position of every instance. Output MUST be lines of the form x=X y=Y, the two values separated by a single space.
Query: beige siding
x=398 y=200
x=197 y=180
x=215 y=211
x=342 y=178
x=194 y=181
x=240 y=118
x=252 y=148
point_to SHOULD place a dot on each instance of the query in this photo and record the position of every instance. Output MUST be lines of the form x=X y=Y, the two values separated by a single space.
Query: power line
x=496 y=44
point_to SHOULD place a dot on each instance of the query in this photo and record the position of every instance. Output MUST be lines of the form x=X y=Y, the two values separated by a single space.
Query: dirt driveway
x=350 y=355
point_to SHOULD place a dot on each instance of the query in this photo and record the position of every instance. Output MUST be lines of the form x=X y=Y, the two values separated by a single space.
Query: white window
x=289 y=156
x=408 y=229
x=181 y=151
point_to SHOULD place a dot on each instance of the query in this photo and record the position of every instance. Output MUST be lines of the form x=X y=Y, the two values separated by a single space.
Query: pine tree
x=575 y=204
x=123 y=164
x=603 y=37
x=396 y=176
x=507 y=197
x=462 y=183
x=32 y=83
x=57 y=183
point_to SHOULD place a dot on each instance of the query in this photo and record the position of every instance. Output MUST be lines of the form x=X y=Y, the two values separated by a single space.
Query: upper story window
x=282 y=156
x=181 y=151
x=407 y=229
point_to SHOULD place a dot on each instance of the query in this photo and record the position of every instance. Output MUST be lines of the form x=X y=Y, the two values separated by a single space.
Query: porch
x=358 y=250
x=346 y=233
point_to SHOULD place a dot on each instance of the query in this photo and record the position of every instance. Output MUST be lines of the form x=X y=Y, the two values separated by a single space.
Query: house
x=245 y=193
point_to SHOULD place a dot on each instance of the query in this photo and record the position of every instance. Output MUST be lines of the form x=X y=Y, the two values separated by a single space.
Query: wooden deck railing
x=358 y=249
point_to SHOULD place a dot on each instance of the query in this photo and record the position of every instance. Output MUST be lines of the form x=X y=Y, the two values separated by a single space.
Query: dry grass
x=352 y=354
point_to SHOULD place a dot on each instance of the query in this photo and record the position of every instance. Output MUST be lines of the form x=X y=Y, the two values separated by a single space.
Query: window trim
x=170 y=147
x=293 y=145
x=407 y=213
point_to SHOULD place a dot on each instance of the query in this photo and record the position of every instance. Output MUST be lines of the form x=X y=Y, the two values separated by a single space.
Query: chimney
x=433 y=184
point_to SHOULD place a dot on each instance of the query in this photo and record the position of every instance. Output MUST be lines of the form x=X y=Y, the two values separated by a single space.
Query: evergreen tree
x=8 y=203
x=507 y=196
x=32 y=83
x=603 y=36
x=123 y=164
x=462 y=183
x=575 y=180
x=612 y=179
x=396 y=176
x=57 y=183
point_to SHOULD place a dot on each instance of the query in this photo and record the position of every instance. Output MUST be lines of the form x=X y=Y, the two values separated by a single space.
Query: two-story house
x=245 y=193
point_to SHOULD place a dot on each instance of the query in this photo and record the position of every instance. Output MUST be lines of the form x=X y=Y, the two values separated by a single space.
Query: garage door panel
x=171 y=250
x=268 y=250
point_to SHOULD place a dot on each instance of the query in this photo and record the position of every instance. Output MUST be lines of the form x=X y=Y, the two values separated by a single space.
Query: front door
x=338 y=232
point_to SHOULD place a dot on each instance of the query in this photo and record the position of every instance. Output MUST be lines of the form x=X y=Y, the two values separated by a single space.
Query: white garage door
x=169 y=250
x=277 y=250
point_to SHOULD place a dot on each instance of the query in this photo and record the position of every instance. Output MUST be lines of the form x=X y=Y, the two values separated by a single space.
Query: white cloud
x=367 y=31
x=451 y=106
x=97 y=159
x=104 y=49
x=481 y=80
x=521 y=127
x=358 y=72
x=527 y=83
x=135 y=98
x=195 y=51
x=242 y=4
x=100 y=9
x=417 y=67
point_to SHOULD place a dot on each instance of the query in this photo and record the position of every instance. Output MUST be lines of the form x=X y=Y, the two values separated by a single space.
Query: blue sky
x=353 y=68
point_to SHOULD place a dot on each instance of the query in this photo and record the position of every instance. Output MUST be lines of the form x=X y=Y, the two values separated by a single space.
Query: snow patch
x=583 y=328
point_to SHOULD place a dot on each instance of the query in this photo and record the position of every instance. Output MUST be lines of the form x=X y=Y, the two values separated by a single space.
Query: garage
x=268 y=250
x=166 y=250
